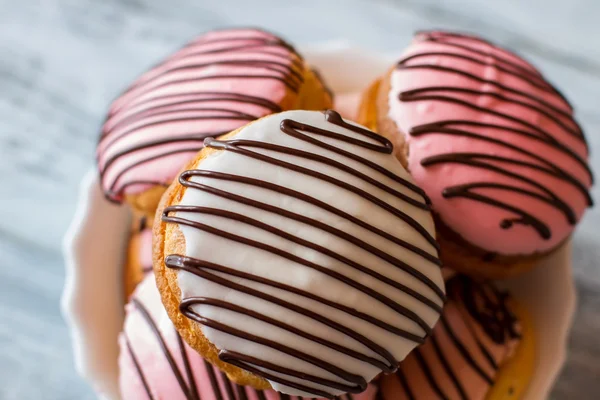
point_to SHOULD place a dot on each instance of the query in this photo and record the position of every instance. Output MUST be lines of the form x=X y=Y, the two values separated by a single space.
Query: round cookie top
x=155 y=363
x=492 y=143
x=476 y=334
x=215 y=84
x=310 y=256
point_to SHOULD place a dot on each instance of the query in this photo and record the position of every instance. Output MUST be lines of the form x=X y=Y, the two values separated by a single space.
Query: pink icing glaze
x=540 y=110
x=425 y=373
x=156 y=378
x=145 y=250
x=217 y=83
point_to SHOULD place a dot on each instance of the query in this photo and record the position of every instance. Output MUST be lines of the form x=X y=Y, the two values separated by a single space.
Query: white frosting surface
x=261 y=263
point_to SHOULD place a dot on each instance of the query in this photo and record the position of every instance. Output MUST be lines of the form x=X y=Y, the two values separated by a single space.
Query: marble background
x=62 y=61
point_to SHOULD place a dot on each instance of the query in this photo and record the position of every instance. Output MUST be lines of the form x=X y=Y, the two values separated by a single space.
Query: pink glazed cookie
x=155 y=363
x=482 y=348
x=215 y=84
x=493 y=144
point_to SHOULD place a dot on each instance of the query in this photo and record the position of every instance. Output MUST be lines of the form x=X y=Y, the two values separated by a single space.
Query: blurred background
x=63 y=61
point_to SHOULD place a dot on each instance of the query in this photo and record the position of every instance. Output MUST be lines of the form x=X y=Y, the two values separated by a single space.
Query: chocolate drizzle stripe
x=288 y=77
x=448 y=369
x=305 y=243
x=183 y=106
x=213 y=381
x=253 y=49
x=417 y=95
x=178 y=214
x=261 y=395
x=298 y=260
x=293 y=128
x=270 y=65
x=145 y=105
x=194 y=266
x=466 y=190
x=165 y=350
x=260 y=40
x=560 y=118
x=358 y=382
x=294 y=80
x=138 y=369
x=528 y=73
x=142 y=102
x=410 y=94
x=428 y=374
x=405 y=64
x=294 y=87
x=133 y=183
x=265 y=42
x=190 y=302
x=482 y=348
x=529 y=70
x=200 y=116
x=236 y=147
x=405 y=385
x=113 y=194
x=184 y=179
x=473 y=159
x=493 y=315
x=463 y=350
x=442 y=128
x=475 y=304
x=193 y=392
x=264 y=47
x=249 y=363
x=228 y=386
x=225 y=390
x=196 y=138
x=241 y=392
x=247 y=48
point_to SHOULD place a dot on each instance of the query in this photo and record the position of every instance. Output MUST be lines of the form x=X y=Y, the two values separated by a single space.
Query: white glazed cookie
x=310 y=257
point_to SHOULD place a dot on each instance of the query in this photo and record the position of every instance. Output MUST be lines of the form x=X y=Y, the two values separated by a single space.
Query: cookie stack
x=279 y=250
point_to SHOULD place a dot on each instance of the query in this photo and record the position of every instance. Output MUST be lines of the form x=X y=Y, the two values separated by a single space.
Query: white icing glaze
x=251 y=260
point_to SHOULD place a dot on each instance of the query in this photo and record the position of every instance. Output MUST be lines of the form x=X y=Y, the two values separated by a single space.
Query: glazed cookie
x=493 y=144
x=215 y=84
x=482 y=348
x=298 y=249
x=154 y=362
x=139 y=253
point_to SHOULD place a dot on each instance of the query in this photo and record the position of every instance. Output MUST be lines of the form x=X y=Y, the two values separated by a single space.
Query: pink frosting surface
x=145 y=250
x=154 y=362
x=215 y=84
x=456 y=94
x=456 y=361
